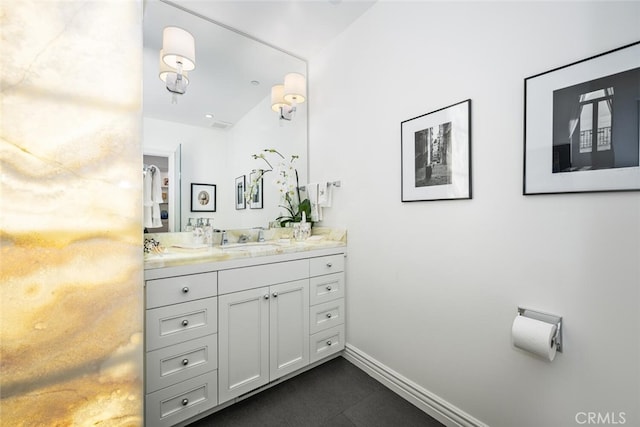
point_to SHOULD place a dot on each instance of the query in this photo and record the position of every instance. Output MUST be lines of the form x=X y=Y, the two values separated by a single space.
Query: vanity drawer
x=326 y=343
x=178 y=289
x=171 y=365
x=326 y=288
x=241 y=279
x=181 y=322
x=326 y=315
x=326 y=265
x=179 y=402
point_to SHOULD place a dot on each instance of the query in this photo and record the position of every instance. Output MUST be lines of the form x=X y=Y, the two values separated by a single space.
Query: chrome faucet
x=260 y=235
x=223 y=239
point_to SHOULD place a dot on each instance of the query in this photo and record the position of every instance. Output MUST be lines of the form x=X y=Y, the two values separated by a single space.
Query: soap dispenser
x=305 y=227
x=208 y=233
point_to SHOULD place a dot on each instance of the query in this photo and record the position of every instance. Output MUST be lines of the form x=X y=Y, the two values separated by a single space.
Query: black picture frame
x=256 y=201
x=582 y=125
x=203 y=197
x=240 y=188
x=436 y=154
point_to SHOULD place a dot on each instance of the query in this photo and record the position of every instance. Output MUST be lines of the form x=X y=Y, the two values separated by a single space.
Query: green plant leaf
x=305 y=206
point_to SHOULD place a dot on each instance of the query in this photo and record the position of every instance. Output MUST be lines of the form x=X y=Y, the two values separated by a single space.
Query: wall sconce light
x=286 y=97
x=170 y=77
x=177 y=56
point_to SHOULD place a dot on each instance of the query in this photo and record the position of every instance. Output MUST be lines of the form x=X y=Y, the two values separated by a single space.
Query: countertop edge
x=209 y=266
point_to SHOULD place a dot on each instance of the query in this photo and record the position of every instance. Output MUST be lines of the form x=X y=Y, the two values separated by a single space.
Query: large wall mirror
x=224 y=117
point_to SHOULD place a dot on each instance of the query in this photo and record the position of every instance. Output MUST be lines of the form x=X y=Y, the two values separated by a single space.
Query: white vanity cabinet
x=216 y=331
x=181 y=347
x=264 y=331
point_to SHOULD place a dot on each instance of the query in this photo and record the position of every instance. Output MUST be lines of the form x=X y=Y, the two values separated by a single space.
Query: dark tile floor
x=334 y=394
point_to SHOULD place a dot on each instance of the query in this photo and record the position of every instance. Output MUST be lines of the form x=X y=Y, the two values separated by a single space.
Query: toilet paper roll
x=534 y=336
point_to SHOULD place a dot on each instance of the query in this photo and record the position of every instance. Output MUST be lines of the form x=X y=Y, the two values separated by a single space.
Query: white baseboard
x=428 y=402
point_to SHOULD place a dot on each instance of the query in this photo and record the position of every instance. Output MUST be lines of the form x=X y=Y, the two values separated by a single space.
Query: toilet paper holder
x=548 y=318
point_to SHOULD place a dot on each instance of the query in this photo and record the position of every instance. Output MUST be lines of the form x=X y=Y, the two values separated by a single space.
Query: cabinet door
x=289 y=327
x=243 y=342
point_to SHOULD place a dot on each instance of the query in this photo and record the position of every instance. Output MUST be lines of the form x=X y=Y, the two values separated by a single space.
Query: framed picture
x=203 y=198
x=256 y=201
x=240 y=189
x=436 y=154
x=582 y=127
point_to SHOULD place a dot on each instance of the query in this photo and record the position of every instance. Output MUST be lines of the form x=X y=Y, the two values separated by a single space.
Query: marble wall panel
x=70 y=213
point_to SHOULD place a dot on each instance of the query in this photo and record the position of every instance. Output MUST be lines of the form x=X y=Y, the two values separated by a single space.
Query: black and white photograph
x=595 y=124
x=583 y=135
x=256 y=201
x=241 y=203
x=433 y=155
x=436 y=154
x=203 y=197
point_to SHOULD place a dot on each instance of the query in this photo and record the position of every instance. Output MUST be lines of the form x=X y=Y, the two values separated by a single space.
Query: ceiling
x=227 y=62
x=300 y=27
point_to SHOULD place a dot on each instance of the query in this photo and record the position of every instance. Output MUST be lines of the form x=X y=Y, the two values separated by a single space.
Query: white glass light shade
x=178 y=46
x=277 y=98
x=295 y=88
x=165 y=71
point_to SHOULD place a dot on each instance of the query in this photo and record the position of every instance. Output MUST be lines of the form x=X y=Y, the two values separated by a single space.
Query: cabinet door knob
x=185 y=322
x=329 y=265
x=329 y=288
x=329 y=342
x=275 y=295
x=266 y=296
x=329 y=315
x=185 y=290
x=185 y=362
x=185 y=402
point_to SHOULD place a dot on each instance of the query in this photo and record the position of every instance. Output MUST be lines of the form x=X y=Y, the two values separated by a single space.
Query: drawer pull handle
x=185 y=322
x=329 y=265
x=329 y=315
x=185 y=402
x=275 y=295
x=185 y=290
x=329 y=288
x=329 y=342
x=185 y=362
x=266 y=296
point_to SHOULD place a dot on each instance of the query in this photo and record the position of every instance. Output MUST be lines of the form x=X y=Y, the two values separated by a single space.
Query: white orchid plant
x=286 y=180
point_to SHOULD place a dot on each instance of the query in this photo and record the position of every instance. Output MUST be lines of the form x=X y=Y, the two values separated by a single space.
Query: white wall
x=433 y=287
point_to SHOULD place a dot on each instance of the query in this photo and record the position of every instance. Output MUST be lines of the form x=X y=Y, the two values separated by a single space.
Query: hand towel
x=156 y=196
x=312 y=193
x=325 y=195
x=146 y=198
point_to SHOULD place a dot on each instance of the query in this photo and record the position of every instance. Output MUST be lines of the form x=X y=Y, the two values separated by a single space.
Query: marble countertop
x=177 y=250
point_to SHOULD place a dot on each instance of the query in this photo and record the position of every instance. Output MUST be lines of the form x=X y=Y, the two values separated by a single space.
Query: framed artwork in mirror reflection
x=436 y=154
x=256 y=179
x=203 y=197
x=241 y=183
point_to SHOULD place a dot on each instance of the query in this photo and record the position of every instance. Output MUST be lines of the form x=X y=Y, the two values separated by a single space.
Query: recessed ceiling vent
x=219 y=124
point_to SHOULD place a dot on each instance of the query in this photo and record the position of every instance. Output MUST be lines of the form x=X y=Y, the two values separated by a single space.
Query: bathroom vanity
x=222 y=325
